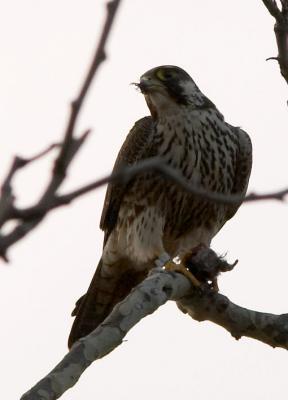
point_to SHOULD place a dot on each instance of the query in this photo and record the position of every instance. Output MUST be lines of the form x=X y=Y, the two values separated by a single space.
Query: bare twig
x=277 y=195
x=272 y=7
x=31 y=215
x=281 y=33
x=7 y=198
x=19 y=163
x=68 y=150
x=99 y=57
x=144 y=299
x=28 y=218
x=157 y=165
x=284 y=4
x=170 y=174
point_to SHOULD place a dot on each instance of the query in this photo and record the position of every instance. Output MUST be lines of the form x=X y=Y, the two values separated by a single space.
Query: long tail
x=102 y=295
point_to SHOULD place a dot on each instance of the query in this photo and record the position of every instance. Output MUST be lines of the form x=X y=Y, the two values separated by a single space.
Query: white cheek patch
x=192 y=92
x=163 y=103
x=189 y=87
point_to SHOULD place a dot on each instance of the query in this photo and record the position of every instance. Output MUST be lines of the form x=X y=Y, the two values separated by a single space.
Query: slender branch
x=157 y=165
x=29 y=217
x=277 y=195
x=67 y=152
x=144 y=299
x=98 y=59
x=281 y=33
x=169 y=173
x=19 y=163
x=272 y=7
x=7 y=198
x=284 y=4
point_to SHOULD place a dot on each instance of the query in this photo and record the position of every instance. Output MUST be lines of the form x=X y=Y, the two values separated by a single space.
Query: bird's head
x=166 y=88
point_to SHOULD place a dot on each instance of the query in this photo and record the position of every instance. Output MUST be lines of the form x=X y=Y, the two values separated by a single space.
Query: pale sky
x=45 y=49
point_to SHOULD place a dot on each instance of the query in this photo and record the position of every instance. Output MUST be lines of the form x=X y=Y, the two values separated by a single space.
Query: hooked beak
x=146 y=85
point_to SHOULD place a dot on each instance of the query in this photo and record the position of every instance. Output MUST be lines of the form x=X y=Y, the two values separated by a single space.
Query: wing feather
x=136 y=147
x=242 y=169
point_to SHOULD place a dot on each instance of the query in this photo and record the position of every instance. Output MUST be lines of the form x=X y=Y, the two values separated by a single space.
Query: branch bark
x=281 y=33
x=153 y=292
x=144 y=299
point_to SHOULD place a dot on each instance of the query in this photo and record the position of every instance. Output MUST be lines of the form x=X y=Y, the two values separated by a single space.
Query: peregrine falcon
x=149 y=218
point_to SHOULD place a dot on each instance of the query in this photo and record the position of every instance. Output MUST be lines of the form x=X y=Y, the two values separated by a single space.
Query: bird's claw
x=171 y=266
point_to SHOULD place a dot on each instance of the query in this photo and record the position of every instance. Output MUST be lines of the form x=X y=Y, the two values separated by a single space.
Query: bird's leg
x=214 y=285
x=165 y=262
x=162 y=260
x=171 y=266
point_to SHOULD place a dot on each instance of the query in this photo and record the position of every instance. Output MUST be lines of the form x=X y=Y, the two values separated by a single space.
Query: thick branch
x=281 y=33
x=211 y=306
x=144 y=299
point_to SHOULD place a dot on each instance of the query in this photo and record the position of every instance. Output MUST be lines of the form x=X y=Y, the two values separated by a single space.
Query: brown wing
x=103 y=293
x=243 y=168
x=135 y=148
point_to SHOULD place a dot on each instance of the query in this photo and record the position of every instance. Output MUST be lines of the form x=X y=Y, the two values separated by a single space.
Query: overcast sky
x=45 y=50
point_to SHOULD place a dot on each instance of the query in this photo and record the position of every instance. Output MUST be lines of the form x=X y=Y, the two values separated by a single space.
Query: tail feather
x=102 y=295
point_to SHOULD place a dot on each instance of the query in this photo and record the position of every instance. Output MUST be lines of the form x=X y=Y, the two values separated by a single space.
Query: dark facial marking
x=171 y=77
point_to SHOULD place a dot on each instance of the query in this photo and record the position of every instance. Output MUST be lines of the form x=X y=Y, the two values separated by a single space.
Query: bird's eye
x=164 y=75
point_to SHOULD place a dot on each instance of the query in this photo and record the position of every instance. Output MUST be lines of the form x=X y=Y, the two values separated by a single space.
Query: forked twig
x=66 y=154
x=281 y=33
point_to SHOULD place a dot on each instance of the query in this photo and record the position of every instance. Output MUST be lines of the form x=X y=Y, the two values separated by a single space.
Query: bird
x=150 y=220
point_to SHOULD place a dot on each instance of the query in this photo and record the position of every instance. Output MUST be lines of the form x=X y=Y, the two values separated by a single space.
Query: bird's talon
x=171 y=266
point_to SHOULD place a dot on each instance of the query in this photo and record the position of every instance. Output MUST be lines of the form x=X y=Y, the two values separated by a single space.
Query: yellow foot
x=171 y=266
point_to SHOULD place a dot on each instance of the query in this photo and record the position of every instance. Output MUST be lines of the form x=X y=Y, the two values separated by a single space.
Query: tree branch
x=67 y=152
x=154 y=291
x=281 y=33
x=272 y=7
x=98 y=59
x=157 y=165
x=268 y=328
x=30 y=217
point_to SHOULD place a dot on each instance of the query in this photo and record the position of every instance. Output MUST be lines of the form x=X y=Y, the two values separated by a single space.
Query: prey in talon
x=206 y=266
